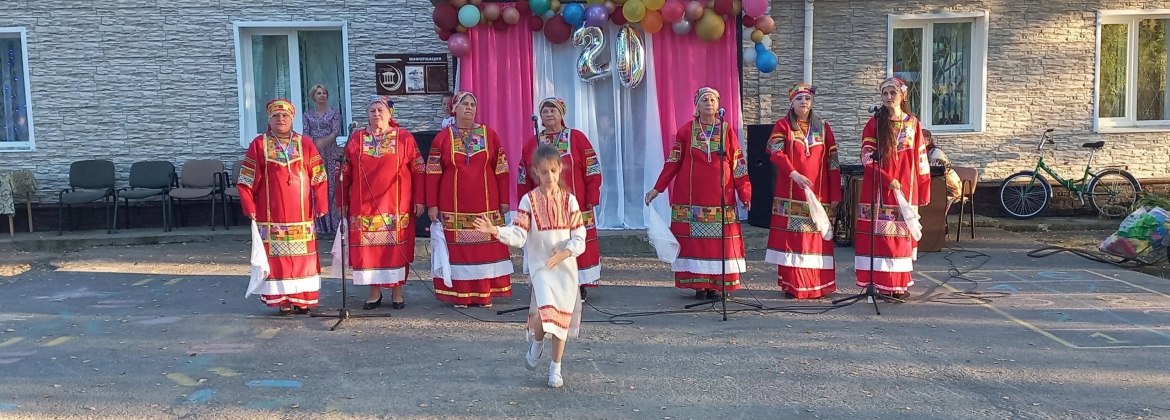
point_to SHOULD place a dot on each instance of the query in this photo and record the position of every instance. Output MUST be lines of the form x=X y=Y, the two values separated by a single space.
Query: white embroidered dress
x=542 y=225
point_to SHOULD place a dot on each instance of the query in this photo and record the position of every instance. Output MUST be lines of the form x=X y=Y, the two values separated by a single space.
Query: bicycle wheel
x=1024 y=194
x=1113 y=192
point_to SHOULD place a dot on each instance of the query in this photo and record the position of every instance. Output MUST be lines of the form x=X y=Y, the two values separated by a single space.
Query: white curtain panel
x=622 y=124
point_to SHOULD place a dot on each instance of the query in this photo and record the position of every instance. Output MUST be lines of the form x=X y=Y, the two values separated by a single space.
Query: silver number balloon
x=631 y=57
x=593 y=39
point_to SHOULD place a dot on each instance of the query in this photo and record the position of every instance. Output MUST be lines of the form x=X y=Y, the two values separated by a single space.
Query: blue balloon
x=760 y=47
x=539 y=7
x=469 y=15
x=766 y=62
x=574 y=14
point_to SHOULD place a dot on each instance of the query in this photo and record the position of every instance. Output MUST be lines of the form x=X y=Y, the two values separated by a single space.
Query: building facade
x=131 y=80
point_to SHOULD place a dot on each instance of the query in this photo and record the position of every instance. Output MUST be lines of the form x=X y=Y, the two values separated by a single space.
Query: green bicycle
x=1112 y=191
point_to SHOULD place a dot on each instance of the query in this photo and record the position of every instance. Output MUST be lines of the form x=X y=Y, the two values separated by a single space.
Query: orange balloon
x=766 y=24
x=652 y=22
x=458 y=3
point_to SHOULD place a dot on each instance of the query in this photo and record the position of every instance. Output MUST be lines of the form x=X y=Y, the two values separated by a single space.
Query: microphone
x=722 y=111
x=534 y=118
x=874 y=109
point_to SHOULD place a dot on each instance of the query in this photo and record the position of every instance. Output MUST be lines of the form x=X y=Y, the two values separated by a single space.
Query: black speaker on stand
x=424 y=139
x=762 y=174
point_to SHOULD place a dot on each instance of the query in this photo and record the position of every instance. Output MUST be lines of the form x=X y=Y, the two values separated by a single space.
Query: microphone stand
x=723 y=297
x=535 y=132
x=343 y=312
x=870 y=292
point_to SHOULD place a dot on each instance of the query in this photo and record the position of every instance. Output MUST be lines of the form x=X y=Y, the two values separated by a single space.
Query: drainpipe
x=808 y=40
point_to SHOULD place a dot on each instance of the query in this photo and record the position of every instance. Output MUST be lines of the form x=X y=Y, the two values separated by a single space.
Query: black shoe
x=397 y=305
x=301 y=311
x=700 y=294
x=584 y=292
x=372 y=305
x=789 y=295
x=900 y=296
x=712 y=294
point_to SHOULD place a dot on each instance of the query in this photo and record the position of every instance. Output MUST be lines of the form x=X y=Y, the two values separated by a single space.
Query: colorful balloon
x=445 y=16
x=634 y=10
x=574 y=14
x=673 y=11
x=749 y=56
x=511 y=15
x=652 y=22
x=491 y=11
x=596 y=15
x=681 y=27
x=755 y=8
x=469 y=15
x=557 y=30
x=723 y=7
x=459 y=45
x=535 y=23
x=766 y=25
x=539 y=7
x=654 y=4
x=710 y=27
x=766 y=62
x=694 y=10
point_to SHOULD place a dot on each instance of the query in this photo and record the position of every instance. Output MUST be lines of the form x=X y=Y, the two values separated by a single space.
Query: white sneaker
x=555 y=380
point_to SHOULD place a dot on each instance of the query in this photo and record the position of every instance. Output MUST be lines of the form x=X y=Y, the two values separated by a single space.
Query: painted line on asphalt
x=1005 y=314
x=225 y=372
x=201 y=396
x=267 y=334
x=173 y=281
x=142 y=282
x=11 y=341
x=182 y=380
x=7 y=406
x=57 y=341
x=274 y=383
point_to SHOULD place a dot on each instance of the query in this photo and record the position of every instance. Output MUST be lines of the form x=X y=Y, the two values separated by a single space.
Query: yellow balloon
x=555 y=6
x=654 y=4
x=634 y=11
x=736 y=7
x=710 y=27
x=757 y=35
x=594 y=1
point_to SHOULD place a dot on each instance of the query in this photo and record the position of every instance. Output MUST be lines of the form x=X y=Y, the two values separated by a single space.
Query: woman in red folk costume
x=704 y=147
x=805 y=153
x=896 y=138
x=582 y=176
x=283 y=188
x=381 y=186
x=467 y=178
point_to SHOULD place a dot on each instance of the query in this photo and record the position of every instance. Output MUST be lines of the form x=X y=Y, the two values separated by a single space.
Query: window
x=16 y=126
x=1132 y=70
x=285 y=60
x=943 y=59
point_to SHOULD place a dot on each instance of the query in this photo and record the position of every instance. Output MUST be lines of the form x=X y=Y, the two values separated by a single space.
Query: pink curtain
x=499 y=72
x=683 y=64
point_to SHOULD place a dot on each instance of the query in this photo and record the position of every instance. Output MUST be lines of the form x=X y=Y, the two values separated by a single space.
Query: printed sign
x=411 y=74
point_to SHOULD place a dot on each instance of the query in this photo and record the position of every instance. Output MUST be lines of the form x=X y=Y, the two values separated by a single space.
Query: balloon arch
x=570 y=20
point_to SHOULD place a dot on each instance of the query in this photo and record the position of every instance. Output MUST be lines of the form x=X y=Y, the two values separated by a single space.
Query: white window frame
x=1127 y=123
x=243 y=50
x=30 y=145
x=979 y=31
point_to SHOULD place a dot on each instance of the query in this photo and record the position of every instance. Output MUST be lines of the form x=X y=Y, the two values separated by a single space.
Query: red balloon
x=749 y=21
x=557 y=30
x=445 y=16
x=618 y=18
x=523 y=7
x=535 y=23
x=724 y=7
x=445 y=34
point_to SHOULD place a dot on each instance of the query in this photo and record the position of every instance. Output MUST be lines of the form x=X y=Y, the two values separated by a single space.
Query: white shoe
x=555 y=380
x=529 y=361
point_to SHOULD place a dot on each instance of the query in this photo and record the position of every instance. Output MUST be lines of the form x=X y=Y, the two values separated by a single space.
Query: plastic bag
x=440 y=260
x=338 y=264
x=664 y=242
x=259 y=262
x=913 y=220
x=819 y=216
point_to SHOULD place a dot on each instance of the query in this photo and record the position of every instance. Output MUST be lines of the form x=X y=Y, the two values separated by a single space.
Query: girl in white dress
x=548 y=226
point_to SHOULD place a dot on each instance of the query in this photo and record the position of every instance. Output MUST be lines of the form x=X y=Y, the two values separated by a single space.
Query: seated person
x=938 y=158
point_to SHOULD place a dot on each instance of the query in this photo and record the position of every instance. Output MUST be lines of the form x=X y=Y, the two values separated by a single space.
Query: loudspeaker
x=762 y=174
x=423 y=138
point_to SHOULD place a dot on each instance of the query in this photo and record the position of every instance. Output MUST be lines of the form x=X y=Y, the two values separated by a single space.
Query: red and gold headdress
x=893 y=82
x=702 y=92
x=281 y=105
x=800 y=88
x=455 y=100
